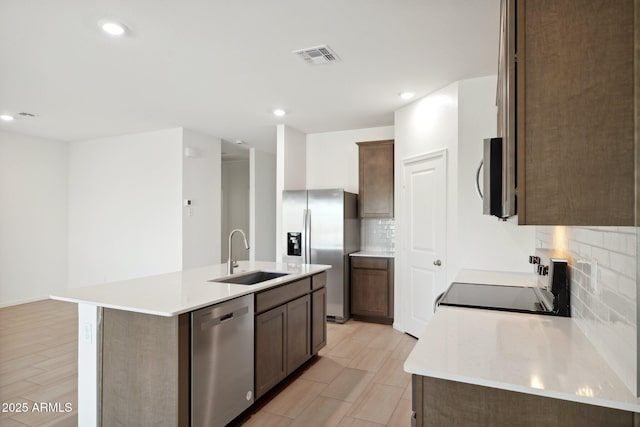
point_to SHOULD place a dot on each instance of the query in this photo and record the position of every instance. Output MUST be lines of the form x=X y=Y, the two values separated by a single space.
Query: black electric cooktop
x=496 y=297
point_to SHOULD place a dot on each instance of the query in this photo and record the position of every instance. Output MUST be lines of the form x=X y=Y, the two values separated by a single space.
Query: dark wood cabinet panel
x=153 y=389
x=369 y=293
x=375 y=198
x=298 y=332
x=288 y=335
x=372 y=289
x=281 y=294
x=438 y=402
x=575 y=109
x=271 y=349
x=318 y=320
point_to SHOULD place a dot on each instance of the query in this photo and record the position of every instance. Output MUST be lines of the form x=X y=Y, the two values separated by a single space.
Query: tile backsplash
x=603 y=267
x=378 y=235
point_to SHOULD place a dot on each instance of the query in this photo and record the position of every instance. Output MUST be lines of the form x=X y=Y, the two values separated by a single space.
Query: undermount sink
x=251 y=278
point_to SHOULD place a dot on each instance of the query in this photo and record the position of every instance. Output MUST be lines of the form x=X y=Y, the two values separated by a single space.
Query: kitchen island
x=485 y=367
x=134 y=346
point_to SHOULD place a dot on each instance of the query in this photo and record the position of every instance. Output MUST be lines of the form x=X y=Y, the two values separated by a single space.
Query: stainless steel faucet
x=246 y=246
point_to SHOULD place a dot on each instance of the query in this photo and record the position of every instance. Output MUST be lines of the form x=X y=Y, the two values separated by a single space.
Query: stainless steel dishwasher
x=221 y=361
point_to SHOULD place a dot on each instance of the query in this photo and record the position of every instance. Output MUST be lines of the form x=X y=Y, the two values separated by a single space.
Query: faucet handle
x=234 y=262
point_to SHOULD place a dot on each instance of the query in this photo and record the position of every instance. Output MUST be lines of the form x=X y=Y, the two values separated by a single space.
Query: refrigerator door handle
x=308 y=236
x=304 y=236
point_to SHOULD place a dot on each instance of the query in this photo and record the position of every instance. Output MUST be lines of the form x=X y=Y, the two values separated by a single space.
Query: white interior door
x=424 y=203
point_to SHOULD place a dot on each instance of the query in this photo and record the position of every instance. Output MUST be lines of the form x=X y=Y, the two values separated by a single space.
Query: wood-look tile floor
x=39 y=363
x=357 y=379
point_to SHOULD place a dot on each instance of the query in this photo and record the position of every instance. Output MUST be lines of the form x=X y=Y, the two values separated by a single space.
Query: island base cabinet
x=298 y=332
x=145 y=369
x=289 y=334
x=271 y=349
x=437 y=402
x=318 y=320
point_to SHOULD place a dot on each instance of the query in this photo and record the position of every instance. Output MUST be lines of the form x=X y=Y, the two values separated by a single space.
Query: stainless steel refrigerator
x=322 y=227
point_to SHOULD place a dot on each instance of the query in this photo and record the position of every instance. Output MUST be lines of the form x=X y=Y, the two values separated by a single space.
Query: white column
x=89 y=362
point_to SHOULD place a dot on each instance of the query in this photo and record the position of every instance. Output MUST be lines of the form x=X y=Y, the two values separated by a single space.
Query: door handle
x=437 y=263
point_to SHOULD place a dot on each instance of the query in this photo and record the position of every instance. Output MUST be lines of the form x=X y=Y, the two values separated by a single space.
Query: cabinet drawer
x=364 y=262
x=319 y=280
x=282 y=294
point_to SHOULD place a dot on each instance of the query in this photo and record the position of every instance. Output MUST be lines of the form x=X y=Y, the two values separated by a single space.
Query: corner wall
x=33 y=218
x=457 y=118
x=291 y=172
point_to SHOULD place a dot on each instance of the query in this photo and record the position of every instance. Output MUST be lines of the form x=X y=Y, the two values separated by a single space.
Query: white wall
x=291 y=171
x=125 y=207
x=484 y=242
x=201 y=184
x=262 y=205
x=33 y=218
x=424 y=126
x=235 y=207
x=457 y=118
x=332 y=157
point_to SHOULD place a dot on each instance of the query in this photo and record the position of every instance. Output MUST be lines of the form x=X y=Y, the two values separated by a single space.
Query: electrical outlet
x=87 y=333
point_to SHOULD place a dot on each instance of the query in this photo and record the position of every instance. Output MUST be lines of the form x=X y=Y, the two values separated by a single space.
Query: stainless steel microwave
x=499 y=178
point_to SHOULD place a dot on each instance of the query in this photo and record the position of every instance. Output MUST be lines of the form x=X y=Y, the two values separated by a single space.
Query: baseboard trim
x=22 y=301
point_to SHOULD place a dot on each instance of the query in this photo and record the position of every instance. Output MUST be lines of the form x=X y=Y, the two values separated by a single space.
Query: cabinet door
x=369 y=292
x=298 y=332
x=575 y=124
x=271 y=348
x=318 y=320
x=376 y=179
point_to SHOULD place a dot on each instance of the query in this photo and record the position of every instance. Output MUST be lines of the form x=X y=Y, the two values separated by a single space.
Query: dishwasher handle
x=206 y=324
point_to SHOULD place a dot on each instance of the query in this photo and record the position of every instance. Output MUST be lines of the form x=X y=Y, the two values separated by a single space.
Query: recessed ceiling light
x=113 y=28
x=279 y=112
x=407 y=95
x=239 y=141
x=6 y=118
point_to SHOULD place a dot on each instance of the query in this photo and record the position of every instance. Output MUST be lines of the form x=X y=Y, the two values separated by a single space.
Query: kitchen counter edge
x=180 y=292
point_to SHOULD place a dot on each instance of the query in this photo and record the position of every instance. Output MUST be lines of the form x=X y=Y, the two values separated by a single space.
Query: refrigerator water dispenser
x=294 y=243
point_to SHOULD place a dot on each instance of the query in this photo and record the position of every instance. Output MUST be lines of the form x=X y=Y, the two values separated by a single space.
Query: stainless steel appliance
x=322 y=227
x=221 y=361
x=552 y=299
x=499 y=178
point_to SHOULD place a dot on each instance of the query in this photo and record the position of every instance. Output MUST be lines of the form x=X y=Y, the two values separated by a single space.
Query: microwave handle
x=478 y=180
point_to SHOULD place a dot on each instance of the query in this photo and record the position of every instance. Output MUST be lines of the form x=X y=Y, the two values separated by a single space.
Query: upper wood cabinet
x=571 y=109
x=375 y=198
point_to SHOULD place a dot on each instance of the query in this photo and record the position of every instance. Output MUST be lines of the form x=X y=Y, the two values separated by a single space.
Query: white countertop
x=542 y=355
x=183 y=291
x=375 y=254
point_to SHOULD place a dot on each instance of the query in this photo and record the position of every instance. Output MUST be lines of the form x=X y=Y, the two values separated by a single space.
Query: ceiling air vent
x=317 y=55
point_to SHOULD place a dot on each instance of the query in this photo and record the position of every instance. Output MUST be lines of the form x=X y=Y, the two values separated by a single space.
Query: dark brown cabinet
x=439 y=402
x=318 y=320
x=298 y=332
x=372 y=289
x=375 y=198
x=271 y=349
x=290 y=327
x=567 y=92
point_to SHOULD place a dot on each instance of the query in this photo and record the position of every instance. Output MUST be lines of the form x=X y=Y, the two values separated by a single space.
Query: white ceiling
x=221 y=67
